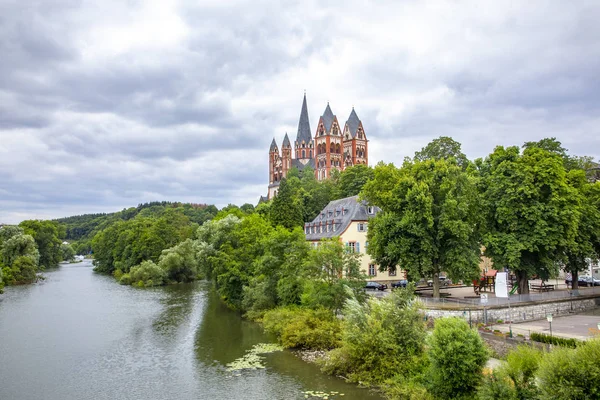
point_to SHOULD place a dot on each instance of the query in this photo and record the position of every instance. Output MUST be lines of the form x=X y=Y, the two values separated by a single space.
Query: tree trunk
x=436 y=285
x=523 y=280
x=575 y=280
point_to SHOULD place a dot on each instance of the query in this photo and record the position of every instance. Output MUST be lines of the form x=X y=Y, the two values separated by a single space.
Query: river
x=79 y=335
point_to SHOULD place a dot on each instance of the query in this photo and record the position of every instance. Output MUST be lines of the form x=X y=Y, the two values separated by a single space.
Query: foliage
x=179 y=263
x=67 y=253
x=555 y=340
x=47 y=236
x=352 y=180
x=515 y=379
x=532 y=211
x=429 y=221
x=148 y=273
x=331 y=268
x=380 y=339
x=303 y=328
x=17 y=246
x=443 y=148
x=571 y=373
x=457 y=356
x=286 y=210
x=252 y=359
x=125 y=244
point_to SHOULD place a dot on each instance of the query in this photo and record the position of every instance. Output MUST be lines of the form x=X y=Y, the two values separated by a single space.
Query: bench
x=542 y=287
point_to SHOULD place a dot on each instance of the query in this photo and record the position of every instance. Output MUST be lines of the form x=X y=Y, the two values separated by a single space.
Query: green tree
x=19 y=246
x=331 y=268
x=147 y=274
x=286 y=209
x=352 y=180
x=47 y=236
x=532 y=212
x=429 y=221
x=457 y=356
x=179 y=262
x=67 y=252
x=443 y=148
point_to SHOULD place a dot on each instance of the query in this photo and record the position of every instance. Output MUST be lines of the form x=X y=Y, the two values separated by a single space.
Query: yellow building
x=348 y=219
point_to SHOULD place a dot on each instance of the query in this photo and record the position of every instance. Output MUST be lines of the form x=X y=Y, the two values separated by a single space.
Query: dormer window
x=371 y=210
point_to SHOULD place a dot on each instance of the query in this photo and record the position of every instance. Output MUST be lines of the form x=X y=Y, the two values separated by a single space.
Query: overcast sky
x=107 y=104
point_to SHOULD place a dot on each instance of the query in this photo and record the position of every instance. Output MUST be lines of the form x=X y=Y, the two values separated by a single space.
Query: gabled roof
x=273 y=146
x=304 y=133
x=300 y=166
x=286 y=141
x=342 y=212
x=328 y=118
x=353 y=123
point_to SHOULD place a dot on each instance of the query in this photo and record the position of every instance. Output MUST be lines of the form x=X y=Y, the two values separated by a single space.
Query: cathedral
x=331 y=148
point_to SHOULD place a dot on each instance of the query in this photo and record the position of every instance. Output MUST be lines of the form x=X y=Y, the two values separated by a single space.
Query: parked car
x=401 y=283
x=444 y=281
x=375 y=286
x=584 y=281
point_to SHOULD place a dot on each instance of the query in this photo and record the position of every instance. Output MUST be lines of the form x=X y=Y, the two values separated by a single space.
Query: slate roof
x=273 y=145
x=328 y=118
x=333 y=213
x=353 y=123
x=300 y=166
x=286 y=141
x=304 y=125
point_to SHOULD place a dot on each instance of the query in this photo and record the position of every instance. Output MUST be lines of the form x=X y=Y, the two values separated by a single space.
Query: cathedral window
x=310 y=154
x=303 y=152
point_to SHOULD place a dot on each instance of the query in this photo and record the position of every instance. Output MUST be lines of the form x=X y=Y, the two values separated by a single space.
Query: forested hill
x=82 y=228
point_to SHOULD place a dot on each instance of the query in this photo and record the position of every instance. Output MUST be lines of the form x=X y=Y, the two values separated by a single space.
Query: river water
x=79 y=335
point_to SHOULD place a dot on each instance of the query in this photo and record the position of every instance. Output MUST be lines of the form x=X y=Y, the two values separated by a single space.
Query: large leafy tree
x=286 y=209
x=47 y=236
x=429 y=221
x=352 y=180
x=444 y=148
x=532 y=212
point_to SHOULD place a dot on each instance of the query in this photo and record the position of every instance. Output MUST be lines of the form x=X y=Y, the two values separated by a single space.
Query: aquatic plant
x=252 y=358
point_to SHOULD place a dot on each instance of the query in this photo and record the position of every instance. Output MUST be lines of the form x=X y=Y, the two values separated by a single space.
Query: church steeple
x=304 y=133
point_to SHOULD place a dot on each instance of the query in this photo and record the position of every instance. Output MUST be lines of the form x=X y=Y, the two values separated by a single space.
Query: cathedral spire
x=273 y=146
x=304 y=133
x=286 y=141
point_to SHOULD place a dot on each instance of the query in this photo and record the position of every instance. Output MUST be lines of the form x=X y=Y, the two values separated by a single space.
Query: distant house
x=349 y=219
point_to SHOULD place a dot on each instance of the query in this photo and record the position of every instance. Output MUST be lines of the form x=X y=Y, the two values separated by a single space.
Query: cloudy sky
x=108 y=104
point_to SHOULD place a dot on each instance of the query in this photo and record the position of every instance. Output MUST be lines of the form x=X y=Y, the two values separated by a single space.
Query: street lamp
x=549 y=318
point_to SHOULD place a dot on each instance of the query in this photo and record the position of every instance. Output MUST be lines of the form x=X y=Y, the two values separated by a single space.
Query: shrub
x=117 y=274
x=515 y=379
x=303 y=328
x=380 y=339
x=125 y=279
x=148 y=274
x=571 y=373
x=558 y=341
x=457 y=356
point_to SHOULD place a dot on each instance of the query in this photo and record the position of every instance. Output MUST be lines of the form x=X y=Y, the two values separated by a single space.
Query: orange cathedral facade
x=332 y=147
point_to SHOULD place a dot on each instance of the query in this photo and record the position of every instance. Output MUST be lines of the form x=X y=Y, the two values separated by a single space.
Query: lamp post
x=549 y=318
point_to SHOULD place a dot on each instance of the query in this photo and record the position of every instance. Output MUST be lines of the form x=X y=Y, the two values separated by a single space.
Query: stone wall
x=518 y=313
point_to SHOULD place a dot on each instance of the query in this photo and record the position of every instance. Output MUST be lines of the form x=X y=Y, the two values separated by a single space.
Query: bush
x=571 y=373
x=380 y=339
x=303 y=328
x=558 y=341
x=147 y=274
x=515 y=379
x=125 y=279
x=457 y=356
x=117 y=274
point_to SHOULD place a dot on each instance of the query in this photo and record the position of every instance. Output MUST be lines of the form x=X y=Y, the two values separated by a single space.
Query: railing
x=514 y=299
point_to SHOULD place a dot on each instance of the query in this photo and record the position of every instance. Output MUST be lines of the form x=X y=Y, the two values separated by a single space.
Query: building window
x=371 y=210
x=351 y=246
x=334 y=227
x=372 y=270
x=392 y=271
x=361 y=227
x=328 y=228
x=303 y=152
x=366 y=246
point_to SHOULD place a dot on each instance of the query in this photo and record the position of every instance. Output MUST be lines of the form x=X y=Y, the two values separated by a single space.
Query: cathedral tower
x=328 y=145
x=304 y=147
x=355 y=142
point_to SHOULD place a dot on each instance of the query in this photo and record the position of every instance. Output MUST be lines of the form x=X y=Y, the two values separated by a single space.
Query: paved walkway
x=580 y=326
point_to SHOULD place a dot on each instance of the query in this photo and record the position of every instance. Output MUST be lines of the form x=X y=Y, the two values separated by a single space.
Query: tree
x=429 y=221
x=352 y=180
x=443 y=148
x=47 y=236
x=457 y=356
x=67 y=252
x=331 y=268
x=19 y=246
x=179 y=262
x=286 y=210
x=532 y=212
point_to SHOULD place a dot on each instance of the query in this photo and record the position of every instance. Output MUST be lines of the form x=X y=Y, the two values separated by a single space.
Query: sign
x=501 y=284
x=549 y=317
x=483 y=299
